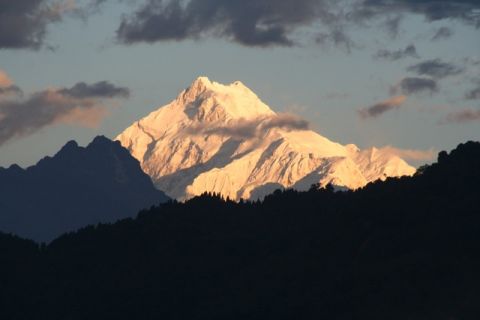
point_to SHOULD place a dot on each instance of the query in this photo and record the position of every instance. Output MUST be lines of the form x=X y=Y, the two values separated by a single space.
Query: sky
x=398 y=73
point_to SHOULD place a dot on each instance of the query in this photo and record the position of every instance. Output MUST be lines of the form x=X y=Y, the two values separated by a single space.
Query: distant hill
x=405 y=248
x=77 y=187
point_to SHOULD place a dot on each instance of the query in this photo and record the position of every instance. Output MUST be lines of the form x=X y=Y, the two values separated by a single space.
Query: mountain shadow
x=77 y=187
x=405 y=248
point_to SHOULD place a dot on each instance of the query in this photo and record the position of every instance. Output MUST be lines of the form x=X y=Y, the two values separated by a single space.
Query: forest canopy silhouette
x=405 y=248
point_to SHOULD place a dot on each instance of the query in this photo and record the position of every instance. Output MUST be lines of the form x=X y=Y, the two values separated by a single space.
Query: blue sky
x=322 y=82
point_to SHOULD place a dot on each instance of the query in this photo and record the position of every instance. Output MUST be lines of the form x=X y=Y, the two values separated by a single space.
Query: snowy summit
x=224 y=139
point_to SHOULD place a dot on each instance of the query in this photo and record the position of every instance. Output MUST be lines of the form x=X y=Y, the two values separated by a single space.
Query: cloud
x=247 y=129
x=473 y=94
x=338 y=37
x=410 y=154
x=257 y=23
x=23 y=23
x=9 y=91
x=5 y=80
x=382 y=107
x=392 y=25
x=432 y=10
x=264 y=23
x=409 y=51
x=442 y=33
x=473 y=61
x=462 y=116
x=412 y=85
x=22 y=117
x=7 y=88
x=251 y=23
x=102 y=89
x=436 y=68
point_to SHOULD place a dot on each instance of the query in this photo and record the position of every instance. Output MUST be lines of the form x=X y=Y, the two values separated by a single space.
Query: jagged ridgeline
x=405 y=248
x=77 y=187
x=224 y=139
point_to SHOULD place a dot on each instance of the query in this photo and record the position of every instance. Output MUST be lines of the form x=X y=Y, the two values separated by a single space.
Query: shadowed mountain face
x=76 y=187
x=405 y=248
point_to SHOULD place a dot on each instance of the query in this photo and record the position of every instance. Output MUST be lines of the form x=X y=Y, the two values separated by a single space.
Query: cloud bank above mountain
x=257 y=23
x=265 y=23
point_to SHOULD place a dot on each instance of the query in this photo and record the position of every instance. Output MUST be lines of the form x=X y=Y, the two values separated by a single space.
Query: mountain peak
x=223 y=138
x=89 y=185
x=209 y=101
x=67 y=150
x=72 y=144
x=100 y=141
x=200 y=84
x=202 y=80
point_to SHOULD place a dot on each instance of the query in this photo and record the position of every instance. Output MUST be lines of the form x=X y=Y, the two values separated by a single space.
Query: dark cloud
x=442 y=33
x=261 y=23
x=101 y=89
x=382 y=107
x=409 y=51
x=248 y=22
x=463 y=116
x=436 y=68
x=392 y=25
x=337 y=37
x=10 y=90
x=473 y=61
x=473 y=94
x=23 y=23
x=22 y=117
x=432 y=10
x=414 y=85
x=247 y=129
x=274 y=22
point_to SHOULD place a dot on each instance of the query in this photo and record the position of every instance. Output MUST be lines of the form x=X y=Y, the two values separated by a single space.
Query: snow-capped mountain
x=224 y=139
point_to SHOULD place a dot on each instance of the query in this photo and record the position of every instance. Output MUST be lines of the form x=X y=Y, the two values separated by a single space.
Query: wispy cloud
x=474 y=94
x=413 y=85
x=7 y=88
x=21 y=117
x=465 y=10
x=442 y=33
x=7 y=92
x=411 y=154
x=462 y=116
x=102 y=89
x=247 y=129
x=5 y=80
x=409 y=51
x=382 y=107
x=436 y=68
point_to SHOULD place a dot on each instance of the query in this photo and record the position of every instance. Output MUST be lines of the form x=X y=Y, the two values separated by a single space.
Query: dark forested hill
x=77 y=187
x=406 y=248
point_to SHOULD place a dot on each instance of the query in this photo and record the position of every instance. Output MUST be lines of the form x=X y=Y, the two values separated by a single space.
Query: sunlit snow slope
x=224 y=139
